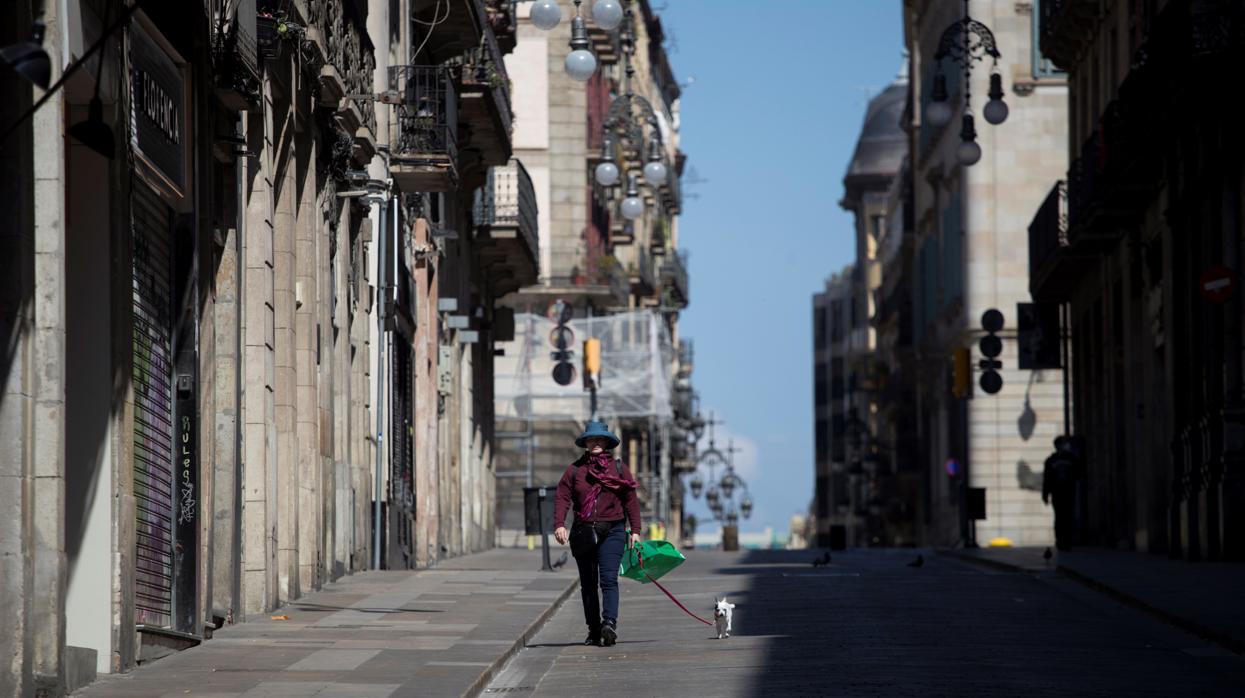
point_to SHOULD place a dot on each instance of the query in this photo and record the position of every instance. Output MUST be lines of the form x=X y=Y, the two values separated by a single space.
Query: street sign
x=1217 y=284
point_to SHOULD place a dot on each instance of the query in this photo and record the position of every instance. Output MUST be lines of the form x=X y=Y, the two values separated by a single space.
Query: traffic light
x=961 y=371
x=991 y=346
x=562 y=337
x=1037 y=336
x=592 y=362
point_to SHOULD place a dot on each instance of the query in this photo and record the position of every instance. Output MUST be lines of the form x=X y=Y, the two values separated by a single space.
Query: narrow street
x=867 y=624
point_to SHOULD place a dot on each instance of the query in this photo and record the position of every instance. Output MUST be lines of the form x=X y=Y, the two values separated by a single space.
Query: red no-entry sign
x=1217 y=284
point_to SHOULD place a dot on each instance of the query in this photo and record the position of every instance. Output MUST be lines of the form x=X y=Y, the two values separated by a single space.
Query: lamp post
x=624 y=125
x=727 y=497
x=965 y=42
x=628 y=113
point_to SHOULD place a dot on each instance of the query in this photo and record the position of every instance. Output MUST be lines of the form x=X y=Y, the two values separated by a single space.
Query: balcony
x=642 y=274
x=459 y=25
x=502 y=17
x=1117 y=171
x=484 y=89
x=424 y=158
x=1065 y=28
x=672 y=193
x=236 y=75
x=1054 y=268
x=506 y=228
x=674 y=278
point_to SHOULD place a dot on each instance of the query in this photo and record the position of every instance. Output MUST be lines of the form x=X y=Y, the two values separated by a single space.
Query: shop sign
x=158 y=106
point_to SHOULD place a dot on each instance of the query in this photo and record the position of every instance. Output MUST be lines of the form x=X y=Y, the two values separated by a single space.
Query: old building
x=1139 y=241
x=253 y=271
x=969 y=255
x=866 y=195
x=901 y=504
x=598 y=263
x=832 y=495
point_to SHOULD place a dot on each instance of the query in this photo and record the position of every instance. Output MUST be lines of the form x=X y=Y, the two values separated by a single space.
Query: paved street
x=868 y=625
x=439 y=632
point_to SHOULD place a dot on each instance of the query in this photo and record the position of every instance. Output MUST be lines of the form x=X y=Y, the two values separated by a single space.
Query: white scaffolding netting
x=637 y=363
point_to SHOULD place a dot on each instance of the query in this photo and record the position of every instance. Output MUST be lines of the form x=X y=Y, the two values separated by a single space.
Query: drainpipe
x=241 y=165
x=383 y=297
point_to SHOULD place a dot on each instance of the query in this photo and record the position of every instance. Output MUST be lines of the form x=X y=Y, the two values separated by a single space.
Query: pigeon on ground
x=561 y=561
x=918 y=562
x=823 y=560
x=1047 y=555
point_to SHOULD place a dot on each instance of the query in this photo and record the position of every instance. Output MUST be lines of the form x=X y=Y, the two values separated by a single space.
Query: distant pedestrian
x=602 y=494
x=1059 y=479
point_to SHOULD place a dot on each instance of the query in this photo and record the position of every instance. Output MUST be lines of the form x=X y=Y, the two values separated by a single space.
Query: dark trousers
x=1065 y=518
x=598 y=556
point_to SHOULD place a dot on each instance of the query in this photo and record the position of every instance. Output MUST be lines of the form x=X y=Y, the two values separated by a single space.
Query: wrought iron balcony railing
x=1064 y=27
x=1056 y=263
x=508 y=200
x=484 y=68
x=674 y=273
x=672 y=193
x=1048 y=232
x=642 y=271
x=426 y=144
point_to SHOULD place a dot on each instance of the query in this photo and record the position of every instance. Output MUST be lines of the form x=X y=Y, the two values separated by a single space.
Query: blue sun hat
x=594 y=429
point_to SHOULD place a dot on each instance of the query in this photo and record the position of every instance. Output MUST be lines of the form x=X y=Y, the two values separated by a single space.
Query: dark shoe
x=594 y=637
x=609 y=634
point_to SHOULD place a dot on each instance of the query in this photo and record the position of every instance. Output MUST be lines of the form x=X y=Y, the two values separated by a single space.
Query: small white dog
x=722 y=614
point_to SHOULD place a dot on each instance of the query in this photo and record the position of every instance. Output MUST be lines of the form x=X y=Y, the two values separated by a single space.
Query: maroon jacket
x=574 y=486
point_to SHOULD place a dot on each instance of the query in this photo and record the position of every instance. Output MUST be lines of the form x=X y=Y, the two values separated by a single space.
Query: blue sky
x=776 y=101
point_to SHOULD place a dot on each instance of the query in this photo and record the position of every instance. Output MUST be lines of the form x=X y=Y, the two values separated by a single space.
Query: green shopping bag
x=649 y=560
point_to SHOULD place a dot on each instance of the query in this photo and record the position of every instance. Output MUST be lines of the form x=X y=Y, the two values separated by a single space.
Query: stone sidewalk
x=438 y=632
x=1203 y=598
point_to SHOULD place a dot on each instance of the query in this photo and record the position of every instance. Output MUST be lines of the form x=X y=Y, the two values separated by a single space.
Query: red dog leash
x=667 y=593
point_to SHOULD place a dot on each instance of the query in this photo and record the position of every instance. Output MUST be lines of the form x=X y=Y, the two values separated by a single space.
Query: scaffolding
x=637 y=370
x=635 y=387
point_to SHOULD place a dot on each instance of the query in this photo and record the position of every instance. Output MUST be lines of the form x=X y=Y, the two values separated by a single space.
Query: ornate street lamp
x=546 y=14
x=581 y=62
x=966 y=42
x=624 y=123
x=28 y=58
x=627 y=113
x=721 y=492
x=696 y=484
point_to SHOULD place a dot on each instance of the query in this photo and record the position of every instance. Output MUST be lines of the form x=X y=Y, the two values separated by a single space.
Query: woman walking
x=602 y=495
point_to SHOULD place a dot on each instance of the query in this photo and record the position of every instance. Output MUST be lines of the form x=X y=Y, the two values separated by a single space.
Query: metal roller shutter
x=153 y=409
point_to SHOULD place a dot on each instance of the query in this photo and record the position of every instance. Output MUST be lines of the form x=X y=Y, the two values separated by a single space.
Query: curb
x=1234 y=645
x=1211 y=635
x=996 y=564
x=534 y=627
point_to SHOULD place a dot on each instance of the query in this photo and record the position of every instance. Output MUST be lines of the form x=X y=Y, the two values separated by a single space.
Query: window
x=1042 y=66
x=820 y=384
